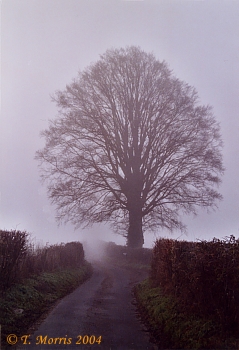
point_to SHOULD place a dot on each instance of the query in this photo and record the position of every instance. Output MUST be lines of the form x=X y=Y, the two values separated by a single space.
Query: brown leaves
x=203 y=276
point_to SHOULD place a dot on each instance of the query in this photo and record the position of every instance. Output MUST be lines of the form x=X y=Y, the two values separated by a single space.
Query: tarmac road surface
x=97 y=315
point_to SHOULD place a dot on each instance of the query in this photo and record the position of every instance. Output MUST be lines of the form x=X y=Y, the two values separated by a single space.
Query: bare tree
x=132 y=146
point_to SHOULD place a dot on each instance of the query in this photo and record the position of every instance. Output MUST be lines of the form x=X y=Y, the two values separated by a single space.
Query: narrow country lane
x=101 y=307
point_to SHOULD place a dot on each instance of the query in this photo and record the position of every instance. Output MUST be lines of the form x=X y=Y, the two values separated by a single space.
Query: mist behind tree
x=131 y=146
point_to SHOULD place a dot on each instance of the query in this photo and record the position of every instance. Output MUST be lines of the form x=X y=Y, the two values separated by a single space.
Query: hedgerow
x=203 y=279
x=20 y=259
x=33 y=278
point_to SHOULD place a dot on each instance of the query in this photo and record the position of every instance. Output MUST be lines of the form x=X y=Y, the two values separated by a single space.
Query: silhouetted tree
x=132 y=146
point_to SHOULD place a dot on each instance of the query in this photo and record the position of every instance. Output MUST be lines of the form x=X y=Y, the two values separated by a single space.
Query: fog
x=44 y=43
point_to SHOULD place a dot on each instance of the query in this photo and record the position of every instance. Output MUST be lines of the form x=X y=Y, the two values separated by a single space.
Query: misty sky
x=44 y=43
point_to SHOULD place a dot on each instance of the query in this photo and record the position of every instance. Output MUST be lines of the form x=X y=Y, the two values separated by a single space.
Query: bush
x=19 y=259
x=171 y=327
x=51 y=258
x=202 y=276
x=13 y=251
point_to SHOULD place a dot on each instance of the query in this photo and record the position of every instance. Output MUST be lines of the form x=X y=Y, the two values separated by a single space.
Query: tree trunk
x=135 y=238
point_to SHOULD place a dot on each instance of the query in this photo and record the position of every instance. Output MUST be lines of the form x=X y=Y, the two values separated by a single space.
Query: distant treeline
x=20 y=258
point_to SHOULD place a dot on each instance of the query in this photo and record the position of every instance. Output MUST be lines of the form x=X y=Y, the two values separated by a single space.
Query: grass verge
x=171 y=328
x=24 y=303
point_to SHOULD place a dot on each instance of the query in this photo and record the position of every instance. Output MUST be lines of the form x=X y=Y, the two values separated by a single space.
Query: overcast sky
x=44 y=43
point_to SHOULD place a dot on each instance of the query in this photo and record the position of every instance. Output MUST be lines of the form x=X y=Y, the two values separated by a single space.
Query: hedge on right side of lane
x=169 y=326
x=203 y=276
x=199 y=282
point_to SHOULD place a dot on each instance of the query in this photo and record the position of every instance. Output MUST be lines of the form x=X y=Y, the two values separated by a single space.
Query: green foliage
x=35 y=295
x=174 y=328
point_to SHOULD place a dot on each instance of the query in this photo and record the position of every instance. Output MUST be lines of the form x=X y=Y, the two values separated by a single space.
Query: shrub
x=203 y=276
x=171 y=327
x=13 y=250
x=19 y=259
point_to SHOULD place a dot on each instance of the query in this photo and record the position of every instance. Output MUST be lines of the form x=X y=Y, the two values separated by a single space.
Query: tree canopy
x=131 y=145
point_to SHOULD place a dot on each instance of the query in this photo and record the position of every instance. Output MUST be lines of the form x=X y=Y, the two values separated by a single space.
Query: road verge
x=172 y=327
x=22 y=304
